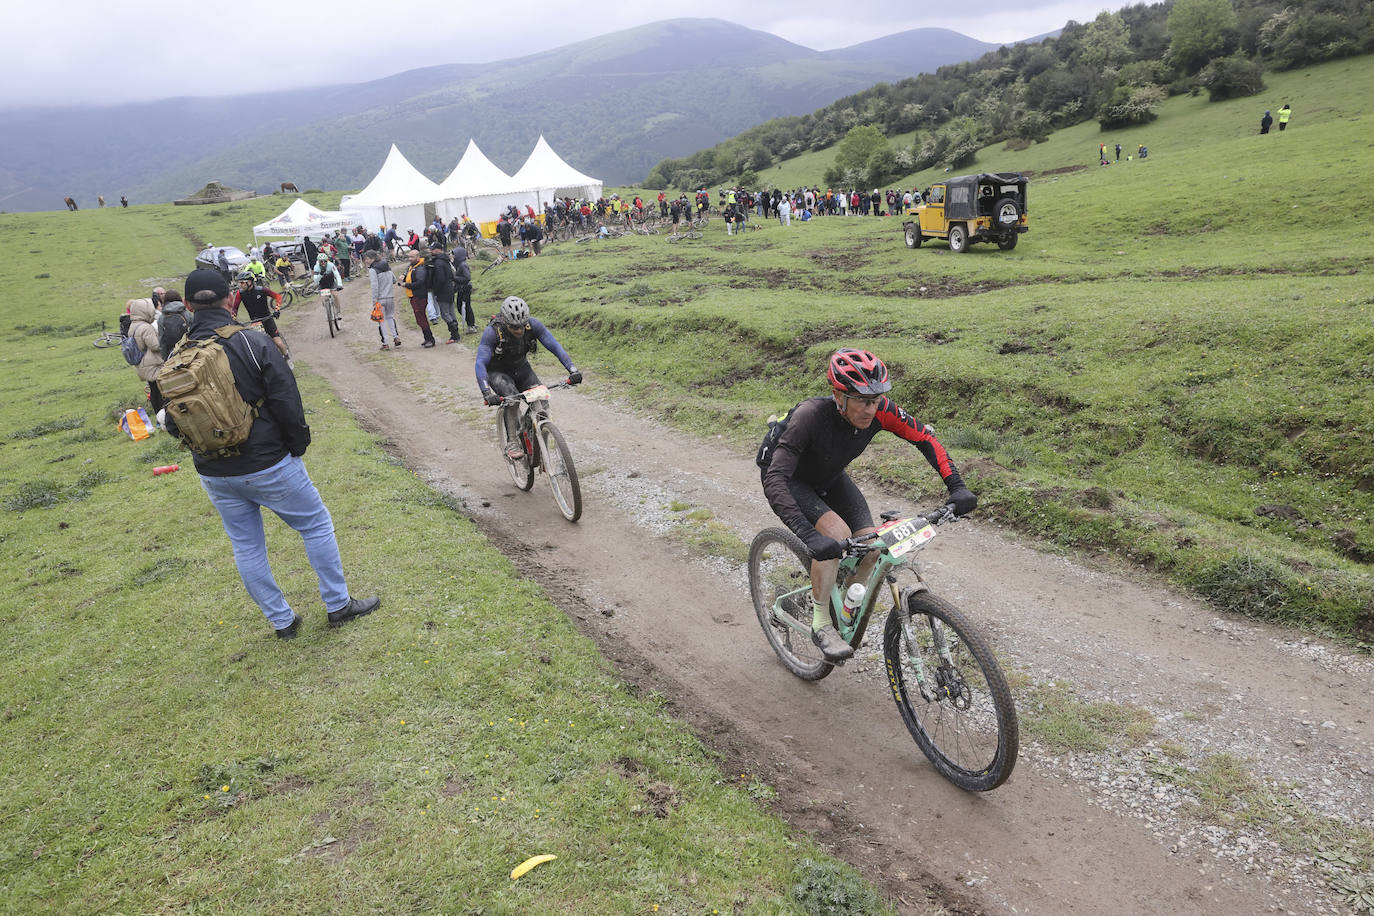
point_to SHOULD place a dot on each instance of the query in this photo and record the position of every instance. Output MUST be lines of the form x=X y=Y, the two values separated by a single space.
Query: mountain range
x=612 y=106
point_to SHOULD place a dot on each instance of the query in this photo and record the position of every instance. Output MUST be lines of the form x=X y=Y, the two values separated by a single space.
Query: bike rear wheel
x=968 y=728
x=288 y=296
x=558 y=463
x=779 y=564
x=521 y=469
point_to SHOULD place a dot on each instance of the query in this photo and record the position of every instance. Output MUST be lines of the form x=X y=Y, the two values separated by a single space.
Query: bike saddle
x=891 y=515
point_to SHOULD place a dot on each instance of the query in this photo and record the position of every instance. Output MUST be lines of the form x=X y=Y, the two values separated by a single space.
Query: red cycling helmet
x=858 y=372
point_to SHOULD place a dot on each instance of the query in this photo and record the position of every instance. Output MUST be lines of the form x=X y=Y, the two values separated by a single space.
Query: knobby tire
x=521 y=470
x=558 y=463
x=779 y=563
x=969 y=731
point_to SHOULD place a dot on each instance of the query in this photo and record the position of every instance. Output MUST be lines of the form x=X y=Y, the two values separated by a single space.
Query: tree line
x=1117 y=69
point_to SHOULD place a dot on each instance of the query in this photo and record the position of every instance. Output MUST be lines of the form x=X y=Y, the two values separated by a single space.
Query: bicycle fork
x=929 y=692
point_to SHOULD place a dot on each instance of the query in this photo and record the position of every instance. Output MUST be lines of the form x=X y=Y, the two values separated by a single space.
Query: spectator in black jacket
x=462 y=287
x=266 y=470
x=441 y=284
x=172 y=326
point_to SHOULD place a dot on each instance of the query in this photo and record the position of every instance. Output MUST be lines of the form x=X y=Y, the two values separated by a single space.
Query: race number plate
x=906 y=535
x=537 y=393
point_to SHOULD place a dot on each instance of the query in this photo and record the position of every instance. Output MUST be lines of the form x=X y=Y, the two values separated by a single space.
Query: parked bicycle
x=544 y=448
x=107 y=338
x=948 y=686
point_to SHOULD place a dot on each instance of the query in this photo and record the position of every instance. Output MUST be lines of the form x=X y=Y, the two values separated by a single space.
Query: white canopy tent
x=398 y=194
x=302 y=218
x=548 y=176
x=479 y=189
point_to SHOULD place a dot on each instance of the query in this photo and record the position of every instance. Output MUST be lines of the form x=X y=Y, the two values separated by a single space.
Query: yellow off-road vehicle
x=972 y=208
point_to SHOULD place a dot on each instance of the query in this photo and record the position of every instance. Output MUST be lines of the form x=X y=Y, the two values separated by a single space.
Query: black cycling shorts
x=510 y=380
x=843 y=498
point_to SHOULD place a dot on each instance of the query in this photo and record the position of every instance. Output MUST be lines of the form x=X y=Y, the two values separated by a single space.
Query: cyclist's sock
x=820 y=617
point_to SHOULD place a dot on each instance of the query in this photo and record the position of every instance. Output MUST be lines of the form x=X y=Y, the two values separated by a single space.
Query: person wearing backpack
x=142 y=314
x=257 y=461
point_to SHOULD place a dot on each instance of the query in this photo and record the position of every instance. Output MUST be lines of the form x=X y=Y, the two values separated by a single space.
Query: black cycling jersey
x=820 y=443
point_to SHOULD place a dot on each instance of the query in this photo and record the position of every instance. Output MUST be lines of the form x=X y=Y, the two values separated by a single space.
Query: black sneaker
x=354 y=608
x=831 y=644
x=427 y=344
x=291 y=629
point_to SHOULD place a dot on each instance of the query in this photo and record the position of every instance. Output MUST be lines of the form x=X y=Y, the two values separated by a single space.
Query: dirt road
x=1085 y=833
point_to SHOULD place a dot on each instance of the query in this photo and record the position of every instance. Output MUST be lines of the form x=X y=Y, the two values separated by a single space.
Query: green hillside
x=1173 y=365
x=611 y=105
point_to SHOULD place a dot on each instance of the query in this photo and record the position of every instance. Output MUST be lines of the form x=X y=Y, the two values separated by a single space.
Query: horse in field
x=71 y=204
x=289 y=186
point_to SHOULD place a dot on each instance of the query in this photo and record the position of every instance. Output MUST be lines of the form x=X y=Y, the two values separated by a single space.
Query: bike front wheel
x=964 y=719
x=521 y=469
x=779 y=565
x=558 y=464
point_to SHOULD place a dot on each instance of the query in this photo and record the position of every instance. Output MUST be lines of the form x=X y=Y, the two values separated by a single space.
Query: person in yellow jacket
x=1284 y=114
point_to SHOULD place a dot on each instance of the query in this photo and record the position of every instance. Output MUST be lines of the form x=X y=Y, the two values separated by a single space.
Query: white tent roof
x=474 y=176
x=545 y=169
x=301 y=218
x=398 y=184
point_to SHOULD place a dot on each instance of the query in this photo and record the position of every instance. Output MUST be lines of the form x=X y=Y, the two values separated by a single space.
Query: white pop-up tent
x=548 y=176
x=479 y=189
x=302 y=218
x=398 y=194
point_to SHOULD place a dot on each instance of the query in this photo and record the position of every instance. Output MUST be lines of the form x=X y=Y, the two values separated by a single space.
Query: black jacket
x=418 y=287
x=260 y=373
x=440 y=276
x=462 y=273
x=172 y=327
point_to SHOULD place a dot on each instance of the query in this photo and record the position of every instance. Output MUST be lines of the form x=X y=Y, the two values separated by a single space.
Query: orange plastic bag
x=377 y=314
x=136 y=424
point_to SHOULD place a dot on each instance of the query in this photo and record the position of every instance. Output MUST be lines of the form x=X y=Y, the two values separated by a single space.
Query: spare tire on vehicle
x=1006 y=213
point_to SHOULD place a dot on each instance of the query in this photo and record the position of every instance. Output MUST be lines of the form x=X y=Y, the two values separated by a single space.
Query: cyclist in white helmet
x=503 y=366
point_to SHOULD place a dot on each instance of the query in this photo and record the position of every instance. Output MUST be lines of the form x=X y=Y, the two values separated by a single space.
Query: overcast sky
x=74 y=52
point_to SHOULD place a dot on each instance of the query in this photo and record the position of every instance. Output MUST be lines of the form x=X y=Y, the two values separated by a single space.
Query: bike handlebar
x=858 y=546
x=518 y=398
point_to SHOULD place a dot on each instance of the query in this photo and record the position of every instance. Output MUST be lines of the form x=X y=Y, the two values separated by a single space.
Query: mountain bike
x=948 y=686
x=332 y=311
x=544 y=448
x=303 y=287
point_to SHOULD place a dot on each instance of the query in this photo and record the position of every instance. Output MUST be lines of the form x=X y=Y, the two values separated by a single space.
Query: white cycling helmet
x=514 y=310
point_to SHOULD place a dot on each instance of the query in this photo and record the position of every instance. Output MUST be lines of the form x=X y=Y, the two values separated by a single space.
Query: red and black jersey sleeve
x=900 y=423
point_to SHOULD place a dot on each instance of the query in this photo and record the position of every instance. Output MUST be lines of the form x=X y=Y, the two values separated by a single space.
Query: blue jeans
x=285 y=488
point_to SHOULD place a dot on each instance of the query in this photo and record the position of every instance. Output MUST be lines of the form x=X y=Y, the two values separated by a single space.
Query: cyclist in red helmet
x=805 y=481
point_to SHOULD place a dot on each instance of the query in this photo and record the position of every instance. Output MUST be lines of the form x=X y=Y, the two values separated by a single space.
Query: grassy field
x=163 y=753
x=1173 y=366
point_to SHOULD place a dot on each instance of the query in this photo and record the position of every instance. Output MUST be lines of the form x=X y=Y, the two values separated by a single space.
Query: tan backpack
x=212 y=418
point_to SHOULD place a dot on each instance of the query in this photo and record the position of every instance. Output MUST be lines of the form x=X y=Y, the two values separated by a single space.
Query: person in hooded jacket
x=383 y=288
x=462 y=287
x=171 y=327
x=142 y=315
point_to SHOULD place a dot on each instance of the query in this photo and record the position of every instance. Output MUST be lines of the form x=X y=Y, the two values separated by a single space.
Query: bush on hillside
x=1129 y=106
x=1232 y=77
x=1292 y=38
